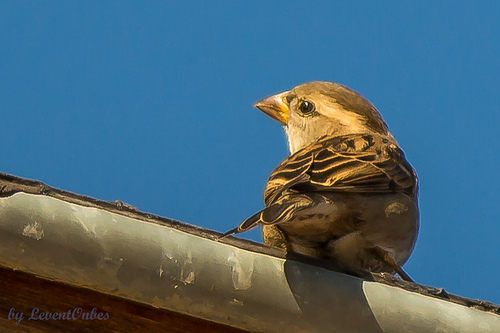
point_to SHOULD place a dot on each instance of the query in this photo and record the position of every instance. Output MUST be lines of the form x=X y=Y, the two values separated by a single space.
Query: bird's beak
x=275 y=107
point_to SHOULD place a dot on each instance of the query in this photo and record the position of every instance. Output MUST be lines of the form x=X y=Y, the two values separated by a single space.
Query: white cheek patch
x=297 y=131
x=300 y=136
x=289 y=139
x=302 y=131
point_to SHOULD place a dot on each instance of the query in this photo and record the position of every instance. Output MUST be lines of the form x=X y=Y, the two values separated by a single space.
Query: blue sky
x=151 y=104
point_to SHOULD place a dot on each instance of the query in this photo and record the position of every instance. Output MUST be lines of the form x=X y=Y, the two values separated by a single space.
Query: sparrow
x=346 y=193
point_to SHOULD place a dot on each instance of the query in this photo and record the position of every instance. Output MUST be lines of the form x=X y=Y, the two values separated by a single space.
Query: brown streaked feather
x=277 y=212
x=360 y=163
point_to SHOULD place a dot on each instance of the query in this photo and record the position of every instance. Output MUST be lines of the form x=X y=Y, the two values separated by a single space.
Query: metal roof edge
x=114 y=248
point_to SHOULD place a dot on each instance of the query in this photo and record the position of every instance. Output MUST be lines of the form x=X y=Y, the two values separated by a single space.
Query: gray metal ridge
x=113 y=248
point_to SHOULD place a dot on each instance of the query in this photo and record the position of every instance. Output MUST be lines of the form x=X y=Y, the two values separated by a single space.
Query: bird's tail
x=246 y=225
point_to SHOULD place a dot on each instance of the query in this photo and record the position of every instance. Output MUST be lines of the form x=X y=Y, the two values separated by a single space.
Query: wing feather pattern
x=361 y=163
x=356 y=163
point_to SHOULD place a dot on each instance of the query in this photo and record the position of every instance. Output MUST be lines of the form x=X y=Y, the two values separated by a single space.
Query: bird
x=346 y=193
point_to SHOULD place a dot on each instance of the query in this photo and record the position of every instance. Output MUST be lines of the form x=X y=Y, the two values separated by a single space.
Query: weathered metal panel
x=184 y=272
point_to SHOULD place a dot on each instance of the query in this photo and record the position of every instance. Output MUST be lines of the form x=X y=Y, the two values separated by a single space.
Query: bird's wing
x=361 y=163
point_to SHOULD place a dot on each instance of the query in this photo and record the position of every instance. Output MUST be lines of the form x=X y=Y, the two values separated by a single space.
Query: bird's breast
x=386 y=221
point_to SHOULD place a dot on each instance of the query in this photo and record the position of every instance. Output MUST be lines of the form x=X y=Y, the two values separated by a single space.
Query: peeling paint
x=187 y=275
x=33 y=230
x=241 y=272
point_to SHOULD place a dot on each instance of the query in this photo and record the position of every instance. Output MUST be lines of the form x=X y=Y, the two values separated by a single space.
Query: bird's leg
x=387 y=259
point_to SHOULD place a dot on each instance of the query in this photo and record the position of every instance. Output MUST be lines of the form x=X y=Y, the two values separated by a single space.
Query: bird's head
x=315 y=109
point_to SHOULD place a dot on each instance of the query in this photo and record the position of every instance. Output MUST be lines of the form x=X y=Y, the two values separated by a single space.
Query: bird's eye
x=306 y=107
